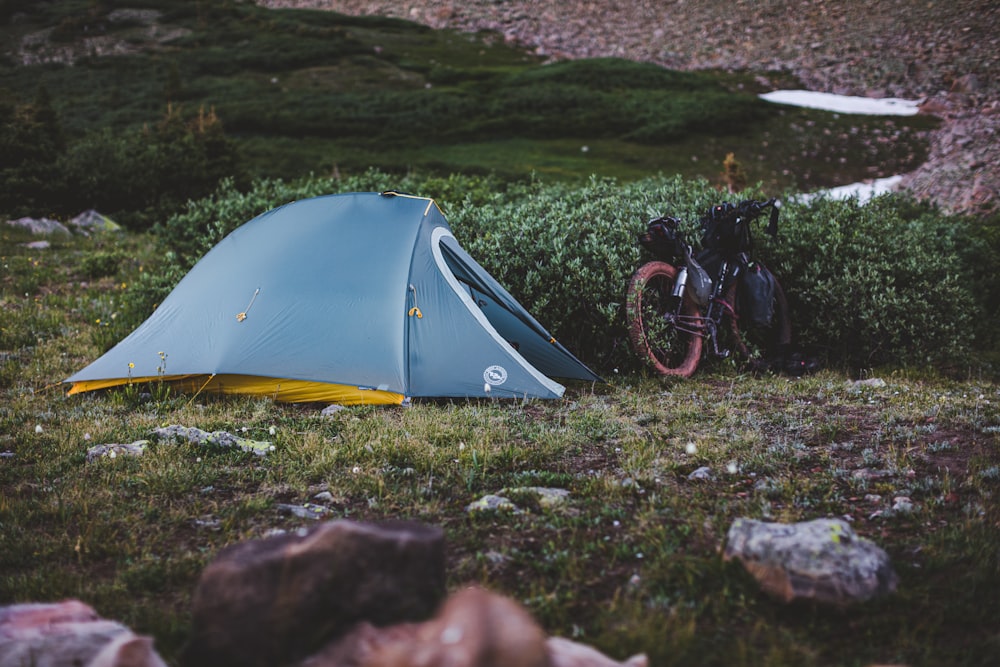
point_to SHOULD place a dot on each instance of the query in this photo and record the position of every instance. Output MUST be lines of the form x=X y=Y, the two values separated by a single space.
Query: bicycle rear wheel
x=665 y=336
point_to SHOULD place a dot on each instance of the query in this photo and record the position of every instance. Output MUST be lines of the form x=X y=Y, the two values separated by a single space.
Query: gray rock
x=822 y=560
x=702 y=473
x=197 y=436
x=111 y=451
x=134 y=15
x=40 y=226
x=276 y=600
x=306 y=511
x=331 y=410
x=91 y=221
x=876 y=383
x=902 y=505
x=492 y=503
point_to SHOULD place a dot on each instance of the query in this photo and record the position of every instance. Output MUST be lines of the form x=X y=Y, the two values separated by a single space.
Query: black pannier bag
x=756 y=296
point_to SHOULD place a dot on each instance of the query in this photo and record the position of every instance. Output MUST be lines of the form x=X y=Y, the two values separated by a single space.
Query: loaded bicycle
x=683 y=304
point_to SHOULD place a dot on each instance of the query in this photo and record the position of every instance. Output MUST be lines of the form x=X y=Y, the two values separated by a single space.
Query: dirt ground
x=945 y=52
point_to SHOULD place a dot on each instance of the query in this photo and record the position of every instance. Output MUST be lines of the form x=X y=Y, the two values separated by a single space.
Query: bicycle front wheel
x=665 y=334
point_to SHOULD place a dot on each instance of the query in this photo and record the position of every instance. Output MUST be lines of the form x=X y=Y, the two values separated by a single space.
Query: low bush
x=878 y=283
x=135 y=177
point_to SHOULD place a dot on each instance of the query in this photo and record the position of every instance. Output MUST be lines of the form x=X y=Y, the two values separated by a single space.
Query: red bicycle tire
x=669 y=350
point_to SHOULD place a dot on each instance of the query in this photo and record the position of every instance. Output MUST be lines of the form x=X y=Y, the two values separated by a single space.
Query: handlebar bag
x=725 y=229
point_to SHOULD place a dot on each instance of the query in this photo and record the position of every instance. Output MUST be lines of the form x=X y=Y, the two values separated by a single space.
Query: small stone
x=876 y=383
x=492 y=503
x=111 y=451
x=902 y=505
x=305 y=511
x=702 y=473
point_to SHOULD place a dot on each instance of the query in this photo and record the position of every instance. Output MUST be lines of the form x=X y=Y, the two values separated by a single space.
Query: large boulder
x=268 y=602
x=91 y=221
x=474 y=628
x=69 y=634
x=822 y=560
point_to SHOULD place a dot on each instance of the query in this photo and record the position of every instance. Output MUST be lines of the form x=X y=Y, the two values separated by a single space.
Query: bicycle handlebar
x=751 y=209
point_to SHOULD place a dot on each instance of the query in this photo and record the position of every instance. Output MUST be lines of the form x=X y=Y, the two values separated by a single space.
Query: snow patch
x=863 y=191
x=888 y=106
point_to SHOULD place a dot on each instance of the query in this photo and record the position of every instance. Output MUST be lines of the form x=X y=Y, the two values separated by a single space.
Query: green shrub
x=879 y=283
x=980 y=255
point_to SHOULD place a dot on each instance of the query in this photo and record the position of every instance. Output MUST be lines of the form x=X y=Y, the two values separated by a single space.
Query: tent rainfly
x=349 y=298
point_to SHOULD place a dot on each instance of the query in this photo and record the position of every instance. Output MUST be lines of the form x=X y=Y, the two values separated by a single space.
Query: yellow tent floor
x=280 y=389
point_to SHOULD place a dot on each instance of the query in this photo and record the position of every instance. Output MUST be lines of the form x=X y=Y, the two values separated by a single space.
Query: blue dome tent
x=349 y=298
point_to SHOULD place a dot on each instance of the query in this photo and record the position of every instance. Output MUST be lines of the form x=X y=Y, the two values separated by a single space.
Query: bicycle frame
x=706 y=323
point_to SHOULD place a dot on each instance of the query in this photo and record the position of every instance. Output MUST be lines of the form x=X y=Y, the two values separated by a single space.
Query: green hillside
x=298 y=91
